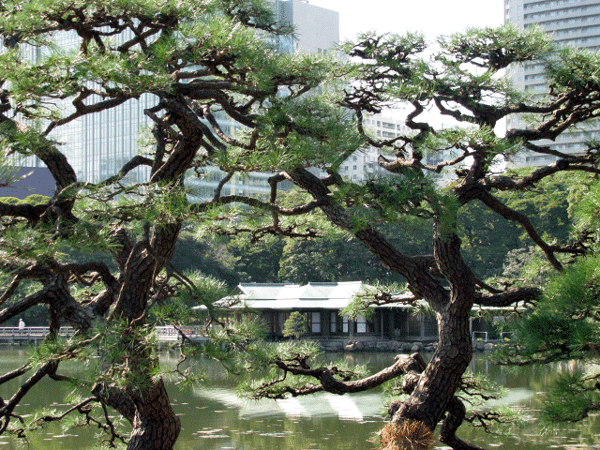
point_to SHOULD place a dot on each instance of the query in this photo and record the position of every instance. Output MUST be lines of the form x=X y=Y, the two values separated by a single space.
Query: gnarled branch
x=340 y=385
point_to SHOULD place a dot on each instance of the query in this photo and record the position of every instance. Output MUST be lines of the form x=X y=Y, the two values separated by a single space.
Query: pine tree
x=295 y=325
x=201 y=60
x=464 y=80
x=97 y=255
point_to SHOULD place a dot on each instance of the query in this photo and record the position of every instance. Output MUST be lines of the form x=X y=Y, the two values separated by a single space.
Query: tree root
x=409 y=435
x=453 y=420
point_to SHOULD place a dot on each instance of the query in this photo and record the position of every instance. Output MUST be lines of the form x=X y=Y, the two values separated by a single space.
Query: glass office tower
x=98 y=145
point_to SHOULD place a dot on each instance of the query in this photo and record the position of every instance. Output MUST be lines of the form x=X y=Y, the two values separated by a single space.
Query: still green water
x=215 y=418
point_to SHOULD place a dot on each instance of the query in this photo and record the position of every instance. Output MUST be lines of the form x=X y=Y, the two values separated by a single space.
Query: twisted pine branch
x=332 y=379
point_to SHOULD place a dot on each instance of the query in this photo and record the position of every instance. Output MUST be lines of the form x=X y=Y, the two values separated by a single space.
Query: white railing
x=171 y=334
x=167 y=334
x=163 y=333
x=32 y=332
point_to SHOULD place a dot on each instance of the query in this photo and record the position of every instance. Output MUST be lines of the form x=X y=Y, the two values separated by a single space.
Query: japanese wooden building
x=321 y=304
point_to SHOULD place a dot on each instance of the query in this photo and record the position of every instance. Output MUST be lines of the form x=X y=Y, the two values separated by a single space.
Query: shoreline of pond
x=214 y=417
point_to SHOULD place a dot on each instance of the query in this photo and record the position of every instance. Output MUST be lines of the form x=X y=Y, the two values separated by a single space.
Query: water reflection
x=215 y=418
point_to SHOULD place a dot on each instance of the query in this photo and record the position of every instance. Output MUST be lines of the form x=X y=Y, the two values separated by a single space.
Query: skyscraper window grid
x=573 y=23
x=98 y=145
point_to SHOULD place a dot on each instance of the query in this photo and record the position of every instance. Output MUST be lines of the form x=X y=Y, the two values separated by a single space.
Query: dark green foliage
x=565 y=324
x=571 y=398
x=339 y=257
x=488 y=238
x=585 y=208
x=257 y=262
x=211 y=259
x=232 y=260
x=335 y=258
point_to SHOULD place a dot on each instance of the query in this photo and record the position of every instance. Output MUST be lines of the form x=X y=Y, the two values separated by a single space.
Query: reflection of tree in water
x=531 y=433
x=210 y=424
x=541 y=376
x=301 y=433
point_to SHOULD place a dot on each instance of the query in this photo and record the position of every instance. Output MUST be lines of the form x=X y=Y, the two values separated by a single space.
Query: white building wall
x=316 y=28
x=570 y=23
x=363 y=165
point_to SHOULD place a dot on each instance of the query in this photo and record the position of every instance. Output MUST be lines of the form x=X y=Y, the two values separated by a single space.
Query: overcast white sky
x=432 y=17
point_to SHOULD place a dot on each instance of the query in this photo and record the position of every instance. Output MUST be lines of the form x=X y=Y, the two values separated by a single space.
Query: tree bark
x=143 y=400
x=147 y=407
x=435 y=390
x=442 y=376
x=155 y=425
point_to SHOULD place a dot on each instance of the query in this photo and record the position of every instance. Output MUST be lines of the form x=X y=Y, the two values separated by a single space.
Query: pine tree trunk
x=143 y=400
x=147 y=407
x=441 y=378
x=155 y=425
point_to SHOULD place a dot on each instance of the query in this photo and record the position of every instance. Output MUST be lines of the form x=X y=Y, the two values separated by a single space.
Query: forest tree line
x=492 y=245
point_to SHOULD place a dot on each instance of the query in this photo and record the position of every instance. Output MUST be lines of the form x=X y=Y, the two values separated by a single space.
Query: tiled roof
x=288 y=296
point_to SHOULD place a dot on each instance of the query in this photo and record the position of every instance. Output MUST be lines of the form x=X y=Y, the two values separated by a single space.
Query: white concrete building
x=317 y=30
x=363 y=165
x=568 y=22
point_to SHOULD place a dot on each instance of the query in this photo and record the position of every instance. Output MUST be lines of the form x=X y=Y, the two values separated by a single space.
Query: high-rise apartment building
x=568 y=22
x=363 y=165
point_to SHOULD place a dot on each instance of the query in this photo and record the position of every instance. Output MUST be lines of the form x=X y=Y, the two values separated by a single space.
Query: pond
x=215 y=418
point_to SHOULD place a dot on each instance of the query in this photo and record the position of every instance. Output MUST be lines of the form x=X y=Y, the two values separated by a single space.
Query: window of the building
x=430 y=328
x=345 y=325
x=333 y=323
x=315 y=322
x=281 y=318
x=362 y=324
